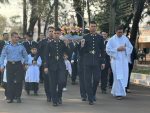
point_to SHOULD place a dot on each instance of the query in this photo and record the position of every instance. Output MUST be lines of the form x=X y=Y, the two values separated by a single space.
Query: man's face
x=33 y=50
x=15 y=38
x=57 y=34
x=5 y=37
x=119 y=33
x=105 y=35
x=92 y=27
x=28 y=38
x=50 y=32
x=42 y=36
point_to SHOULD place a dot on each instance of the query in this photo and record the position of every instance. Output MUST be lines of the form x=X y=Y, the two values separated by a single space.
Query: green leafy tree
x=3 y=23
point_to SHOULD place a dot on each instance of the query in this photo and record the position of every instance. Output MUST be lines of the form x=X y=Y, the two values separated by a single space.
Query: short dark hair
x=30 y=34
x=51 y=27
x=58 y=29
x=14 y=33
x=92 y=22
x=5 y=34
x=120 y=27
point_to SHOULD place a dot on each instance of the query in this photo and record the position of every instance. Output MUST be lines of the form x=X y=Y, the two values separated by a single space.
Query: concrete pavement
x=136 y=102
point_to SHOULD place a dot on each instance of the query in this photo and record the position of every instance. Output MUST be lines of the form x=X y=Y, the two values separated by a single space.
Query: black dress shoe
x=60 y=101
x=10 y=101
x=91 y=102
x=83 y=99
x=119 y=97
x=104 y=92
x=48 y=100
x=18 y=100
x=55 y=104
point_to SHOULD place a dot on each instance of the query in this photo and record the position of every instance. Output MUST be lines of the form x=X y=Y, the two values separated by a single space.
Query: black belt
x=13 y=62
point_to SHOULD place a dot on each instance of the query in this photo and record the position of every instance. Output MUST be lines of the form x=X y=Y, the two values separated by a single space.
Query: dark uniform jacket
x=93 y=49
x=28 y=45
x=107 y=57
x=2 y=43
x=42 y=48
x=54 y=53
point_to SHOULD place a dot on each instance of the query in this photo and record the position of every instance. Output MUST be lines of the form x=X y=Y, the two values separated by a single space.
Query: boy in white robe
x=33 y=72
x=68 y=70
x=119 y=49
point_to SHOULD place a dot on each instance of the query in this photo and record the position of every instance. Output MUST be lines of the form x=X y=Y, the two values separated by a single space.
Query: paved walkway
x=136 y=102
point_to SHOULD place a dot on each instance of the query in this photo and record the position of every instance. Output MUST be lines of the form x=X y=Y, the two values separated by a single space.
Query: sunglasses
x=50 y=31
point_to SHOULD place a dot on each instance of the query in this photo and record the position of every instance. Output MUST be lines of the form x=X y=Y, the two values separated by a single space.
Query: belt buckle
x=57 y=57
x=93 y=52
x=13 y=62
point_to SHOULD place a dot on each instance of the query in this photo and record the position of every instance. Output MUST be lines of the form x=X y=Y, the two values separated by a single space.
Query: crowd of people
x=94 y=58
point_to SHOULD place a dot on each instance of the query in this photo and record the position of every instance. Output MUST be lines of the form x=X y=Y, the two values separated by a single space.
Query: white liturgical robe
x=33 y=71
x=119 y=63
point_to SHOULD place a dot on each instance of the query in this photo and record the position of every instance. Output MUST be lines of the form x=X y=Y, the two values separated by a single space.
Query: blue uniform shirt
x=13 y=53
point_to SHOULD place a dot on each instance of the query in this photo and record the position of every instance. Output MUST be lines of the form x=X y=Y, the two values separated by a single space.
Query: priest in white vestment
x=119 y=49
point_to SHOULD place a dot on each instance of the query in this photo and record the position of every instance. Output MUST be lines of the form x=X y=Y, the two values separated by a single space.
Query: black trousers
x=81 y=79
x=15 y=76
x=111 y=79
x=41 y=74
x=47 y=85
x=74 y=71
x=66 y=78
x=104 y=79
x=32 y=86
x=130 y=70
x=57 y=83
x=92 y=77
x=4 y=85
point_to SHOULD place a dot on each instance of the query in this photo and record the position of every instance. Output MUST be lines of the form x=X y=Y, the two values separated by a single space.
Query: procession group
x=94 y=58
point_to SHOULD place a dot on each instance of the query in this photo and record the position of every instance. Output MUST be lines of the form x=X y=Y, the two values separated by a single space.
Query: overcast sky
x=11 y=9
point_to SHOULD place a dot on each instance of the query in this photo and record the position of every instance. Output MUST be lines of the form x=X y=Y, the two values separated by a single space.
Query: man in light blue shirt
x=14 y=53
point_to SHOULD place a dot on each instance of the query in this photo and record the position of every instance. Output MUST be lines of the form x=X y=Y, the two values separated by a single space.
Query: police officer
x=55 y=66
x=14 y=53
x=42 y=48
x=92 y=46
x=29 y=42
x=105 y=71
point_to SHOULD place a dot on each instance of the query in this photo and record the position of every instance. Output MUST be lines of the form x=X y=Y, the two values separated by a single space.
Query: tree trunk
x=47 y=18
x=39 y=27
x=34 y=15
x=56 y=13
x=89 y=11
x=79 y=12
x=112 y=17
x=24 y=17
x=137 y=16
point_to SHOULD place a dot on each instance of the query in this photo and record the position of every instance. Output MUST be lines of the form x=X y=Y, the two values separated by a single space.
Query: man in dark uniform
x=105 y=71
x=81 y=71
x=92 y=46
x=29 y=42
x=74 y=63
x=131 y=64
x=42 y=48
x=55 y=66
x=14 y=53
x=3 y=42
